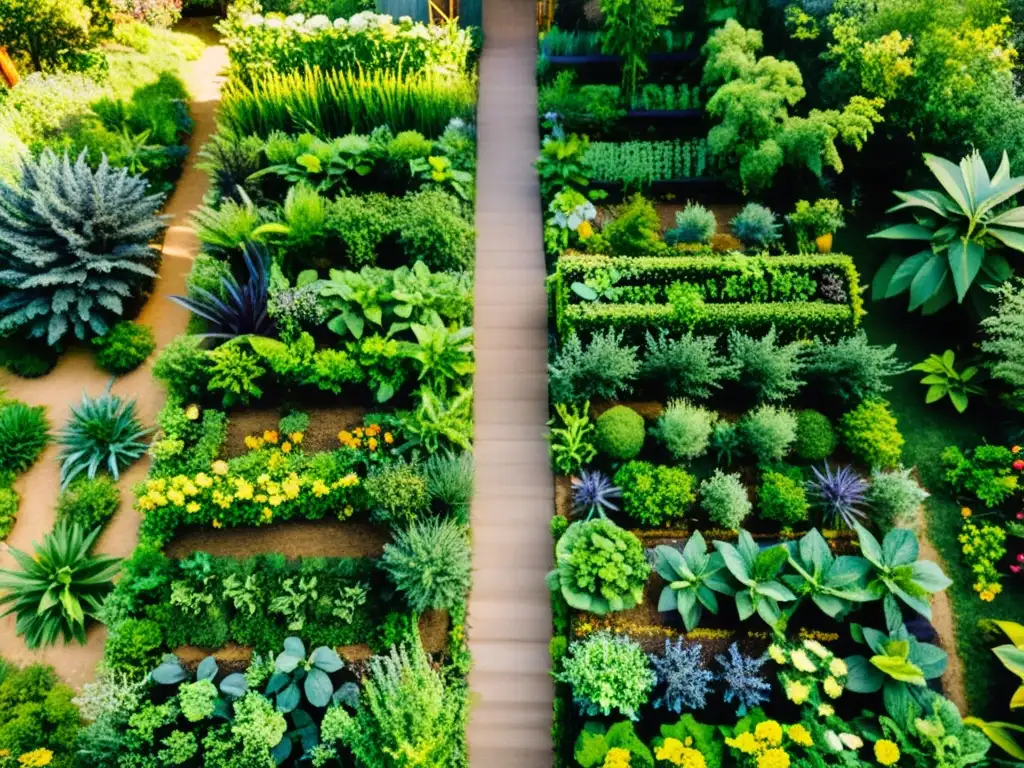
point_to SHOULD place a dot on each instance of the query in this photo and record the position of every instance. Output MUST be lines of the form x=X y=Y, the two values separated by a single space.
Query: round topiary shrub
x=815 y=438
x=655 y=495
x=783 y=497
x=124 y=347
x=620 y=433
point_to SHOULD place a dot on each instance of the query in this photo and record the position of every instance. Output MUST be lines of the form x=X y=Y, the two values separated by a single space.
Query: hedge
x=793 y=319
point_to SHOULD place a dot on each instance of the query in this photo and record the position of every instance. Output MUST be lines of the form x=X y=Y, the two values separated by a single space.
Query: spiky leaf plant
x=24 y=433
x=103 y=433
x=75 y=243
x=840 y=494
x=593 y=494
x=243 y=311
x=430 y=563
x=55 y=592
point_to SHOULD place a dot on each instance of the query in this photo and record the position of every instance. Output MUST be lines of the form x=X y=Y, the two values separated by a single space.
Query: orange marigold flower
x=270 y=436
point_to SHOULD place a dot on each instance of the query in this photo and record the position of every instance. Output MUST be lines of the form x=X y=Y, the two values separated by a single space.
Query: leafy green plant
x=768 y=432
x=441 y=171
x=684 y=429
x=944 y=380
x=124 y=347
x=687 y=366
x=59 y=589
x=430 y=564
x=608 y=674
x=561 y=164
x=815 y=438
x=293 y=668
x=596 y=740
x=89 y=502
x=1011 y=656
x=655 y=494
x=834 y=584
x=619 y=433
x=986 y=472
x=693 y=579
x=103 y=433
x=755 y=571
x=450 y=481
x=629 y=29
x=965 y=227
x=571 y=444
x=782 y=496
x=75 y=244
x=24 y=433
x=724 y=499
x=599 y=567
x=604 y=369
x=770 y=370
x=205 y=702
x=851 y=369
x=1003 y=342
x=756 y=226
x=813 y=220
x=895 y=498
x=440 y=423
x=871 y=433
x=442 y=355
x=897 y=573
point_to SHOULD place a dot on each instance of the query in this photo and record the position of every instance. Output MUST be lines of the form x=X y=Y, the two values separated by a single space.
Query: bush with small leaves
x=654 y=495
x=687 y=366
x=24 y=433
x=635 y=228
x=684 y=429
x=398 y=493
x=603 y=369
x=694 y=224
x=620 y=433
x=599 y=567
x=430 y=563
x=124 y=347
x=27 y=360
x=851 y=369
x=871 y=433
x=609 y=674
x=725 y=500
x=895 y=498
x=726 y=442
x=768 y=432
x=815 y=438
x=9 y=502
x=782 y=497
x=756 y=226
x=89 y=502
x=450 y=481
x=769 y=370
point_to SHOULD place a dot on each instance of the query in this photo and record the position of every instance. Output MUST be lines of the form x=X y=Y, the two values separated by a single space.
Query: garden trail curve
x=509 y=611
x=77 y=372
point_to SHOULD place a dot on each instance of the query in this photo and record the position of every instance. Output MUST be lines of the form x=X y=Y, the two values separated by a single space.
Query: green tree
x=51 y=34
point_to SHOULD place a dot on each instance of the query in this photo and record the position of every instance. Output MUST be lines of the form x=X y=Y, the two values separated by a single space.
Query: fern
x=74 y=245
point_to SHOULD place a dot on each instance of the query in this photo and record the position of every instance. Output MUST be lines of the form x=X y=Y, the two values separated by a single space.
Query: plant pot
x=824 y=243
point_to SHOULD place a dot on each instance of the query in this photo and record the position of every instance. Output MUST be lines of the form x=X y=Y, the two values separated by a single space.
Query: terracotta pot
x=824 y=243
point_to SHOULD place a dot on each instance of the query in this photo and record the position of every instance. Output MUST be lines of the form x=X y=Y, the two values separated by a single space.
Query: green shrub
x=694 y=224
x=124 y=347
x=24 y=433
x=599 y=567
x=296 y=421
x=52 y=34
x=620 y=433
x=635 y=163
x=655 y=495
x=782 y=497
x=89 y=502
x=432 y=228
x=756 y=226
x=451 y=482
x=768 y=432
x=634 y=228
x=609 y=674
x=871 y=434
x=134 y=646
x=895 y=498
x=430 y=564
x=851 y=369
x=103 y=433
x=687 y=366
x=37 y=712
x=27 y=360
x=815 y=438
x=771 y=371
x=684 y=429
x=604 y=369
x=986 y=472
x=724 y=500
x=9 y=501
x=726 y=441
x=398 y=493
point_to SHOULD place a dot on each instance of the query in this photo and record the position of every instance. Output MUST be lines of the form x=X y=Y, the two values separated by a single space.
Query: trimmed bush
x=89 y=502
x=871 y=433
x=24 y=433
x=895 y=498
x=684 y=429
x=768 y=432
x=124 y=347
x=608 y=674
x=398 y=493
x=695 y=224
x=655 y=495
x=619 y=433
x=9 y=501
x=604 y=368
x=430 y=564
x=724 y=499
x=815 y=438
x=756 y=226
x=782 y=497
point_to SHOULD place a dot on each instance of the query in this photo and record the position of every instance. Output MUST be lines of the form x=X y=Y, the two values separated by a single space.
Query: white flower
x=816 y=648
x=357 y=23
x=833 y=741
x=274 y=23
x=404 y=20
x=340 y=23
x=295 y=20
x=318 y=22
x=851 y=741
x=253 y=20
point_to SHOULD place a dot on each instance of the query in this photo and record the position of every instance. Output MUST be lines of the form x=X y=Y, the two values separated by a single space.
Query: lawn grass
x=928 y=429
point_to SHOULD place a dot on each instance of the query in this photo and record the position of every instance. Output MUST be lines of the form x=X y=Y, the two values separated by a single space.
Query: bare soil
x=323 y=538
x=320 y=436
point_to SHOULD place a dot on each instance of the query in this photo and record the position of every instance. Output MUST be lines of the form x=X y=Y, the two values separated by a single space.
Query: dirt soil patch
x=321 y=434
x=651 y=410
x=323 y=538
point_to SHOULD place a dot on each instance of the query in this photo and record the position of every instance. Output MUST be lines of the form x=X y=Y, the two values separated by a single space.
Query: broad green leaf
x=1012 y=658
x=1000 y=735
x=902 y=274
x=744 y=605
x=775 y=591
x=1014 y=631
x=959 y=400
x=869 y=545
x=965 y=259
x=207 y=669
x=899 y=547
x=1017 y=700
x=935 y=393
x=928 y=280
x=318 y=687
x=929 y=576
x=898 y=669
x=952 y=180
x=1008 y=237
x=862 y=677
x=289 y=698
x=668 y=601
x=905 y=232
x=1012 y=218
x=734 y=562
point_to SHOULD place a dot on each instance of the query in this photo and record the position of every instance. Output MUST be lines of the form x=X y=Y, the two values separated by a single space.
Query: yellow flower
x=838 y=668
x=291 y=487
x=769 y=731
x=349 y=480
x=389 y=438
x=797 y=692
x=243 y=489
x=217 y=523
x=966 y=512
x=778 y=655
x=286 y=447
x=886 y=752
x=616 y=757
x=252 y=442
x=826 y=710
x=268 y=513
x=36 y=758
x=832 y=688
x=802 y=661
x=816 y=648
x=192 y=507
x=675 y=752
x=773 y=758
x=745 y=743
x=358 y=432
x=192 y=412
x=203 y=480
x=275 y=501
x=798 y=734
x=372 y=443
x=320 y=488
x=296 y=437
x=220 y=467
x=1015 y=449
x=260 y=498
x=177 y=497
x=373 y=430
x=270 y=436
x=585 y=230
x=987 y=595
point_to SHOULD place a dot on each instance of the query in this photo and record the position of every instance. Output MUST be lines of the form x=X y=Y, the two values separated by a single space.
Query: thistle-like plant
x=59 y=589
x=833 y=583
x=840 y=495
x=743 y=683
x=103 y=433
x=755 y=571
x=897 y=573
x=593 y=493
x=75 y=244
x=243 y=310
x=693 y=577
x=682 y=680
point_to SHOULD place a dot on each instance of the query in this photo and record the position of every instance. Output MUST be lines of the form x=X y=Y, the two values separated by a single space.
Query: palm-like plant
x=244 y=307
x=55 y=592
x=103 y=432
x=964 y=230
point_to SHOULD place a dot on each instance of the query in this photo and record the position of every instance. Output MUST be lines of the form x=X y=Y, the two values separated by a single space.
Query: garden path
x=509 y=612
x=77 y=372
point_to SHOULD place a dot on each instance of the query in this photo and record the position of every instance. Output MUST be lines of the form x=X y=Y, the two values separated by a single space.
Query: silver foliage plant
x=75 y=244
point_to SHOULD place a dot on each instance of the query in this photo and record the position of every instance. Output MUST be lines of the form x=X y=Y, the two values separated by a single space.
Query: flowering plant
x=983 y=546
x=809 y=669
x=761 y=743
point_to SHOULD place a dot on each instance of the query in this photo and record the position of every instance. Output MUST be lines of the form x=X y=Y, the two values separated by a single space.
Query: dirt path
x=509 y=612
x=76 y=371
x=325 y=538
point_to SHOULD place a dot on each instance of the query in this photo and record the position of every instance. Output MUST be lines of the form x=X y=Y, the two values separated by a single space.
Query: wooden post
x=7 y=68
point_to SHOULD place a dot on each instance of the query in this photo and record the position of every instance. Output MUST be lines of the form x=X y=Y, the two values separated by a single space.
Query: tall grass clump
x=335 y=103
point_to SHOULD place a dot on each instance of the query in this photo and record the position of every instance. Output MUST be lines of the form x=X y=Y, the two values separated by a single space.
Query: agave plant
x=592 y=494
x=964 y=229
x=693 y=578
x=75 y=243
x=103 y=433
x=840 y=494
x=243 y=310
x=59 y=588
